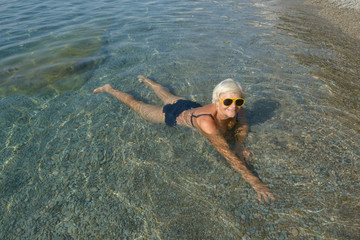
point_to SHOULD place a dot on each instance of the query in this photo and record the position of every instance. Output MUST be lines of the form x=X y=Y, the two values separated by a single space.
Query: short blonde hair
x=227 y=86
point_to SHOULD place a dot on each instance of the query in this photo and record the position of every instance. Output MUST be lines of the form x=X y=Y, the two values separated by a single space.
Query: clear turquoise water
x=80 y=166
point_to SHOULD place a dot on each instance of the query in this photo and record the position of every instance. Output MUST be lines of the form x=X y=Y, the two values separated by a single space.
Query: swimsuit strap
x=205 y=114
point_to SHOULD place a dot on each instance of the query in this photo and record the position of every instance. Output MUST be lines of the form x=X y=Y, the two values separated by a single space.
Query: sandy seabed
x=343 y=13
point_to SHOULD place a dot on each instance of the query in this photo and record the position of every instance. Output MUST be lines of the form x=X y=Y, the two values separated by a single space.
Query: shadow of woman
x=261 y=111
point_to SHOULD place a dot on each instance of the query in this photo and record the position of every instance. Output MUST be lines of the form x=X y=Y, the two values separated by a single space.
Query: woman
x=213 y=121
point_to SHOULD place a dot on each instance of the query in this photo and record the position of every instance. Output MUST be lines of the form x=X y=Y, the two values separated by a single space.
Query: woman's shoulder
x=204 y=118
x=207 y=109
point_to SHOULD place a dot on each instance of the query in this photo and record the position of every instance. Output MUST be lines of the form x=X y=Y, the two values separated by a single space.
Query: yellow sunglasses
x=228 y=101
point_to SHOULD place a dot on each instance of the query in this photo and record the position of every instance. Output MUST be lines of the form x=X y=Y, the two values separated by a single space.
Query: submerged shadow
x=261 y=111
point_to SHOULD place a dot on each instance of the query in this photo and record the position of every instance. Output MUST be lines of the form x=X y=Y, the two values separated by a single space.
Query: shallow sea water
x=80 y=166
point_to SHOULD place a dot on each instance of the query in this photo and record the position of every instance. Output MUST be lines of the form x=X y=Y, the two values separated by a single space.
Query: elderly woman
x=215 y=121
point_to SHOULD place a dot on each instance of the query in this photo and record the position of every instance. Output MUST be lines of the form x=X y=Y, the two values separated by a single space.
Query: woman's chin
x=231 y=114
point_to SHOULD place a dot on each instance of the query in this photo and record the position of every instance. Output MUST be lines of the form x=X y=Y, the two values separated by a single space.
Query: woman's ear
x=217 y=104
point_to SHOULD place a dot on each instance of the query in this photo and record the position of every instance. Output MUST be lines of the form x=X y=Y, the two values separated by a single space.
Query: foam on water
x=347 y=3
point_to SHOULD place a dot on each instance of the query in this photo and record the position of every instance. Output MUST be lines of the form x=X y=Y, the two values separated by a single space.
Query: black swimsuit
x=172 y=111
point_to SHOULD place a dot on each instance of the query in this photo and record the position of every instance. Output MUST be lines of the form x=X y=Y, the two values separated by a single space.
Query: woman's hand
x=263 y=191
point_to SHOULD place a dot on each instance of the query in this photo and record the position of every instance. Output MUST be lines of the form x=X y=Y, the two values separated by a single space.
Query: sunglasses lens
x=227 y=101
x=239 y=102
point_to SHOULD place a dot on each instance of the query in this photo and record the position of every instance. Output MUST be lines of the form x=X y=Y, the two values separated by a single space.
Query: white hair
x=227 y=86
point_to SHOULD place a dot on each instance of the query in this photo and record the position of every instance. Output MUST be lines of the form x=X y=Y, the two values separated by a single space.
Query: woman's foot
x=147 y=81
x=160 y=91
x=105 y=88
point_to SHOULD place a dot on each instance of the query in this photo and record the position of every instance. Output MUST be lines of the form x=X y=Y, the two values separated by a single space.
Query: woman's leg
x=148 y=112
x=162 y=92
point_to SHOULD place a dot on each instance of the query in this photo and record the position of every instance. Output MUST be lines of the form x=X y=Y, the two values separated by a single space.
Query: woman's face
x=227 y=111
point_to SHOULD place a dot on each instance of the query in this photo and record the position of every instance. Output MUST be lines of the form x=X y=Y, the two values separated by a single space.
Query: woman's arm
x=222 y=147
x=241 y=128
x=207 y=127
x=240 y=133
